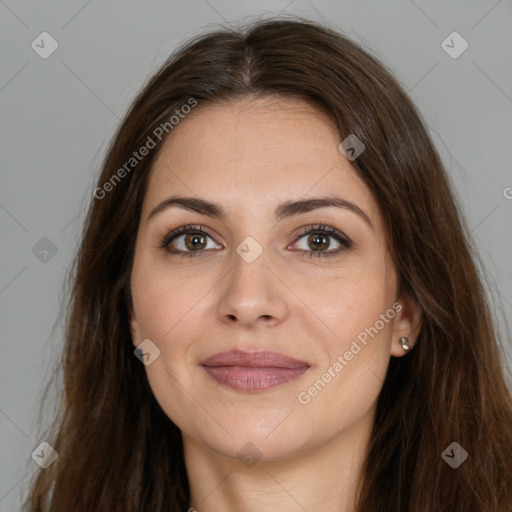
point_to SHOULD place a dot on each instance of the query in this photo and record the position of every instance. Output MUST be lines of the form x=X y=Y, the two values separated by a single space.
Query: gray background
x=59 y=113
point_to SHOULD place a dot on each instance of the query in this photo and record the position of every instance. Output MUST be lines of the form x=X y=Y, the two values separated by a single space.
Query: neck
x=323 y=478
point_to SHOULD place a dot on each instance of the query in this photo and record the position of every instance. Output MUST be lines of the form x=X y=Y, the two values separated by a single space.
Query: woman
x=276 y=301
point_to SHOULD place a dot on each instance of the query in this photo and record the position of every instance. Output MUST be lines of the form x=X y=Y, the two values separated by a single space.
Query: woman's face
x=313 y=283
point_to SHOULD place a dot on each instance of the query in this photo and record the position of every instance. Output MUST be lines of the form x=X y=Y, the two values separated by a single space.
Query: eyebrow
x=284 y=210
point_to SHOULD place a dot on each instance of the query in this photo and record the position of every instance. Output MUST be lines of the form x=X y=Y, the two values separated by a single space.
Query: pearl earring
x=405 y=344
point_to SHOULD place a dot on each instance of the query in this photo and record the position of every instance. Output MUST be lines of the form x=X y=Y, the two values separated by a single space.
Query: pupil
x=194 y=240
x=319 y=241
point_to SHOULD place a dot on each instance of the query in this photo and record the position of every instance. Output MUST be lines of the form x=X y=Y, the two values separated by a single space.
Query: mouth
x=253 y=371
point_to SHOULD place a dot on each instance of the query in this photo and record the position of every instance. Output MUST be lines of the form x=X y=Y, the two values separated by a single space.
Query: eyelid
x=341 y=238
x=175 y=233
x=335 y=233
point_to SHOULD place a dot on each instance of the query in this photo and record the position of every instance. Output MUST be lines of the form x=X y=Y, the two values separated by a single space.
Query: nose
x=252 y=294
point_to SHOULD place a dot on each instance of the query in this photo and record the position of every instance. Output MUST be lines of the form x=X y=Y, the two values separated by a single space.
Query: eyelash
x=320 y=228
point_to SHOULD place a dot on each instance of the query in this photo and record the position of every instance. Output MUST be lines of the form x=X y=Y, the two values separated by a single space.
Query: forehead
x=252 y=153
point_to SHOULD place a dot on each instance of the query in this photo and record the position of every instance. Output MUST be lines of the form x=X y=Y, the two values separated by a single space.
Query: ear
x=134 y=328
x=407 y=323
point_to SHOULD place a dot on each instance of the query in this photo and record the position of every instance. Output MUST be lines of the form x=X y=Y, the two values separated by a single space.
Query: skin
x=249 y=155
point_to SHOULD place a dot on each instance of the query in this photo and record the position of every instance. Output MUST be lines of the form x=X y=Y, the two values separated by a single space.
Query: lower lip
x=245 y=378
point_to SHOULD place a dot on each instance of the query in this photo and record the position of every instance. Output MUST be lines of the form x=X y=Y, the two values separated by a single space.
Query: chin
x=250 y=448
x=254 y=435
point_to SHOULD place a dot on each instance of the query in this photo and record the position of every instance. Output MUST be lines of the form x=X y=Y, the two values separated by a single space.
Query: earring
x=405 y=344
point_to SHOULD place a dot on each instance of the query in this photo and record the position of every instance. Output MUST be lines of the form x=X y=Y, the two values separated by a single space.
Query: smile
x=256 y=371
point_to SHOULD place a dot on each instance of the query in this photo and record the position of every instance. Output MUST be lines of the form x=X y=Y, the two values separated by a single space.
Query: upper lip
x=259 y=359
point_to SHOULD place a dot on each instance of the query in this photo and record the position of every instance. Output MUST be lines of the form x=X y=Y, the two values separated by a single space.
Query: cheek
x=164 y=307
x=358 y=309
x=353 y=301
x=163 y=299
x=359 y=317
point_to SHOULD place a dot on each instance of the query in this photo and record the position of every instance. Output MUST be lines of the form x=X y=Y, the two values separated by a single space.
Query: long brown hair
x=118 y=451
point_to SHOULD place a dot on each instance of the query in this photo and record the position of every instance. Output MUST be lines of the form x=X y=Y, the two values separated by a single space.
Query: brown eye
x=318 y=240
x=195 y=241
x=187 y=241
